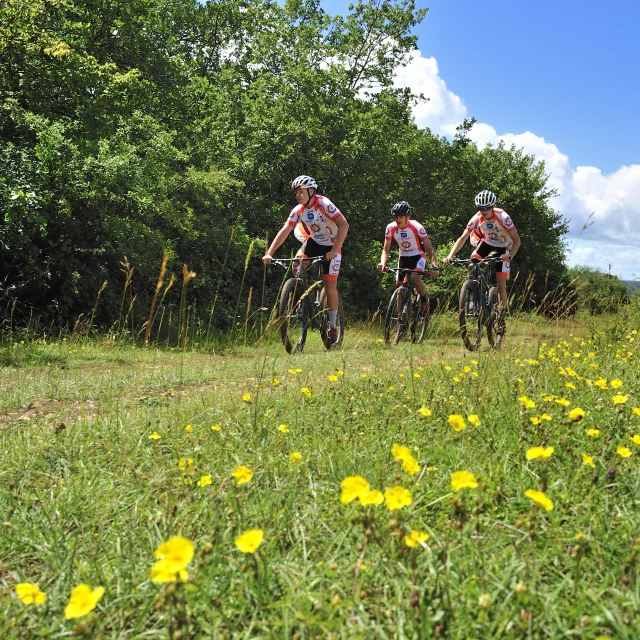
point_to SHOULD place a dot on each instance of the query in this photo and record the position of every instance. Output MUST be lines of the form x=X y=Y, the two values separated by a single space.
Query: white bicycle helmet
x=306 y=182
x=486 y=198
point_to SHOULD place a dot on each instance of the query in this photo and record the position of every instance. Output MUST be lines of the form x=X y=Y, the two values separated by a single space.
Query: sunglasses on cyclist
x=486 y=208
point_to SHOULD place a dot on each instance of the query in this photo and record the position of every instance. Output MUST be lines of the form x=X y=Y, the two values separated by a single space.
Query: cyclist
x=491 y=231
x=327 y=228
x=413 y=242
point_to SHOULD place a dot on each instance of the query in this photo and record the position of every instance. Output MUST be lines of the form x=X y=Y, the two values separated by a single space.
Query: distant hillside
x=633 y=286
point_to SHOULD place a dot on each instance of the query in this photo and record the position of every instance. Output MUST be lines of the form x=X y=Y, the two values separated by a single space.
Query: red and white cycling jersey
x=409 y=239
x=494 y=232
x=320 y=217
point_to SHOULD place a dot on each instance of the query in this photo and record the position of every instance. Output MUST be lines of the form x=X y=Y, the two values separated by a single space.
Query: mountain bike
x=405 y=311
x=478 y=305
x=303 y=306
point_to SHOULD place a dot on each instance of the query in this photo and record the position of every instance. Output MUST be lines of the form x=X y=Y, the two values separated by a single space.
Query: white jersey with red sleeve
x=319 y=217
x=495 y=231
x=409 y=239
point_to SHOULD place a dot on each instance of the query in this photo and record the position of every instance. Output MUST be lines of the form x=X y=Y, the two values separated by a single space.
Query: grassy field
x=109 y=451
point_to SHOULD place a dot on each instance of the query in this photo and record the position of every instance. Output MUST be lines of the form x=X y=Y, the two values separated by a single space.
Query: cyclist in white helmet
x=491 y=231
x=327 y=228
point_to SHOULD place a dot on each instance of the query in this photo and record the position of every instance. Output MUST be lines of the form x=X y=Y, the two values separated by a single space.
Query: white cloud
x=615 y=198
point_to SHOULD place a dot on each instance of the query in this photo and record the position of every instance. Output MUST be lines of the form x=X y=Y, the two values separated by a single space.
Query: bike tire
x=293 y=315
x=495 y=326
x=324 y=322
x=421 y=324
x=470 y=315
x=396 y=323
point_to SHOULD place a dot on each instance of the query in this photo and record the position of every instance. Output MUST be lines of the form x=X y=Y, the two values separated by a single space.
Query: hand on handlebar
x=447 y=260
x=266 y=258
x=434 y=273
x=382 y=267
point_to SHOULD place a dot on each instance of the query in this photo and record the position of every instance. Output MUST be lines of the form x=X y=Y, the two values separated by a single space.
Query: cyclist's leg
x=501 y=276
x=331 y=271
x=416 y=278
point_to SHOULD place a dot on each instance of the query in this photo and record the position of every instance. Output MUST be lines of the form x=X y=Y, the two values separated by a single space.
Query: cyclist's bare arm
x=426 y=244
x=516 y=244
x=281 y=236
x=343 y=229
x=385 y=255
x=457 y=246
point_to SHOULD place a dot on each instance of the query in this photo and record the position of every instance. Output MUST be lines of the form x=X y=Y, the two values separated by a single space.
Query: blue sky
x=560 y=79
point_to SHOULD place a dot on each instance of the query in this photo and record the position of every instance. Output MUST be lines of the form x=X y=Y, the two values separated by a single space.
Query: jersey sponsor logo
x=310 y=215
x=335 y=266
x=314 y=227
x=403 y=234
x=406 y=245
x=332 y=208
x=508 y=221
x=489 y=225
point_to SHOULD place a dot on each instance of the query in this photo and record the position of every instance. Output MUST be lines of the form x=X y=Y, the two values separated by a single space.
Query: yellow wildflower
x=275 y=381
x=306 y=391
x=569 y=385
x=616 y=384
x=400 y=453
x=474 y=420
x=423 y=411
x=30 y=593
x=545 y=416
x=540 y=498
x=353 y=487
x=215 y=427
x=416 y=538
x=332 y=378
x=593 y=433
x=295 y=457
x=246 y=397
x=283 y=428
x=83 y=600
x=527 y=402
x=397 y=497
x=601 y=382
x=619 y=399
x=242 y=474
x=588 y=460
x=185 y=464
x=373 y=497
x=165 y=571
x=204 y=481
x=535 y=420
x=411 y=466
x=154 y=436
x=623 y=452
x=250 y=540
x=188 y=428
x=457 y=422
x=576 y=414
x=463 y=480
x=539 y=452
x=636 y=410
x=635 y=439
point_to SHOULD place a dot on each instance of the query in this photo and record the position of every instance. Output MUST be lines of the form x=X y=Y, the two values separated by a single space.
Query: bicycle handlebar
x=281 y=261
x=460 y=263
x=411 y=270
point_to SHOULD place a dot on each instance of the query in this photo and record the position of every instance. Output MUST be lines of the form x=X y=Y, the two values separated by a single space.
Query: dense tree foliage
x=598 y=292
x=130 y=127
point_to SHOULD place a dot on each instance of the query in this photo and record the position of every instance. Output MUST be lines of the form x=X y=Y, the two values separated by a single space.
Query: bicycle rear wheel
x=496 y=326
x=396 y=323
x=293 y=314
x=421 y=321
x=324 y=322
x=470 y=314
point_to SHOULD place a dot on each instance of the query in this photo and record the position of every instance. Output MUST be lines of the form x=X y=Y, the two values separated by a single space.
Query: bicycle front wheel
x=324 y=322
x=496 y=327
x=422 y=317
x=293 y=314
x=396 y=322
x=470 y=313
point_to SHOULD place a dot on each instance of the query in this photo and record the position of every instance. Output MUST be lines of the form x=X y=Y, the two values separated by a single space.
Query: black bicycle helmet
x=402 y=208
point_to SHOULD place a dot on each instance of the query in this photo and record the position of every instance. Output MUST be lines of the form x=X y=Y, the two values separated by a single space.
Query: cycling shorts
x=483 y=250
x=416 y=263
x=311 y=249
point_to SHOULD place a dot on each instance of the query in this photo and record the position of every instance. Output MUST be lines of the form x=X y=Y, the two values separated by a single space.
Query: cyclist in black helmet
x=414 y=243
